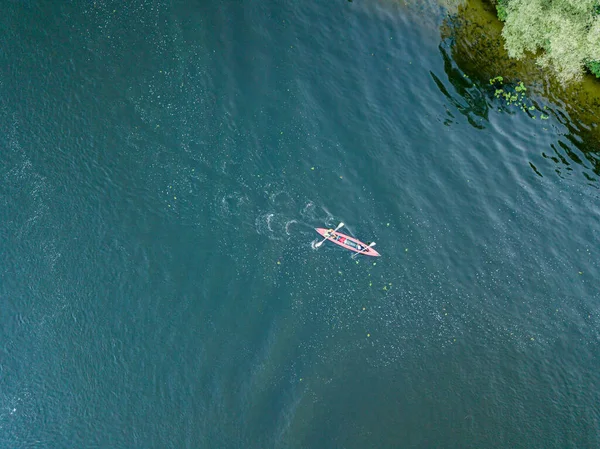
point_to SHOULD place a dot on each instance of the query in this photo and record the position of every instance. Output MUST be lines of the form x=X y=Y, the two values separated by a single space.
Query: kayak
x=347 y=242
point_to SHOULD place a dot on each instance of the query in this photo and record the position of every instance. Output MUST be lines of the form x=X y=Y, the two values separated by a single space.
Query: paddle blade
x=318 y=245
x=371 y=245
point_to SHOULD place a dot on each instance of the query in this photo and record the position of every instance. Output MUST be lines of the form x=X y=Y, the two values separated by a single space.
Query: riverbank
x=474 y=36
x=562 y=36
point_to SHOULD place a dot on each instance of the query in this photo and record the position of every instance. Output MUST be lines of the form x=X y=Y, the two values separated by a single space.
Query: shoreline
x=478 y=48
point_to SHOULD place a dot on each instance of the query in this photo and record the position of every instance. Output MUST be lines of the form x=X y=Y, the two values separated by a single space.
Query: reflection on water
x=473 y=53
x=579 y=146
x=470 y=100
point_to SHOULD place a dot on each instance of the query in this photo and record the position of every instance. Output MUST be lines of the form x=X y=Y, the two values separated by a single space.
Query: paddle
x=323 y=241
x=371 y=245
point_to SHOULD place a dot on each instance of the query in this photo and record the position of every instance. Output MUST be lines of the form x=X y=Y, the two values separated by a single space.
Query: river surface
x=163 y=165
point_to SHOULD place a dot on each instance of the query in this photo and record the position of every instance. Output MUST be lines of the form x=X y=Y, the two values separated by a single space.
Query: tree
x=564 y=33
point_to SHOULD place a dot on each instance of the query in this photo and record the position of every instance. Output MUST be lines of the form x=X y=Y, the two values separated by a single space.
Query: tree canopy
x=564 y=34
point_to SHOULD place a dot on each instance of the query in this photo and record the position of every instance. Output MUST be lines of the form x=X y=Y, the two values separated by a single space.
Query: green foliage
x=594 y=67
x=567 y=32
x=501 y=9
x=520 y=87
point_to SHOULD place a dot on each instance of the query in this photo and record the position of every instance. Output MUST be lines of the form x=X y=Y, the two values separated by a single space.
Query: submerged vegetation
x=563 y=34
x=514 y=96
x=474 y=54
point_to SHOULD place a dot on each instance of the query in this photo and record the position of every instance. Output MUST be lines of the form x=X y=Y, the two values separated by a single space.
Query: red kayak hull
x=348 y=242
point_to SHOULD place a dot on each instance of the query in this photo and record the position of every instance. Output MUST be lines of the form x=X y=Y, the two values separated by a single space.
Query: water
x=163 y=167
